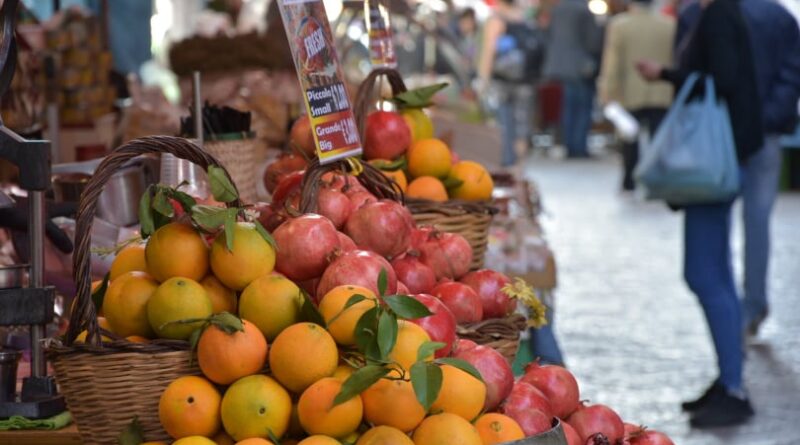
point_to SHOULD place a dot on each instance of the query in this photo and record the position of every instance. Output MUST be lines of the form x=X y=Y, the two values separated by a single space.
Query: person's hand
x=649 y=70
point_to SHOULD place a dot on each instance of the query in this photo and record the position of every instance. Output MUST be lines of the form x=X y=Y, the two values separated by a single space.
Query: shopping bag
x=692 y=157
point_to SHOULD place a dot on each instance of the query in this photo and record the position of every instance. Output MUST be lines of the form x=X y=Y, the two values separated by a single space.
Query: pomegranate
x=285 y=164
x=287 y=187
x=494 y=368
x=333 y=205
x=310 y=286
x=650 y=437
x=572 y=436
x=359 y=199
x=357 y=268
x=590 y=420
x=462 y=301
x=352 y=186
x=488 y=284
x=420 y=235
x=530 y=408
x=418 y=277
x=448 y=254
x=599 y=439
x=301 y=138
x=346 y=243
x=381 y=227
x=441 y=326
x=557 y=384
x=269 y=217
x=305 y=245
x=402 y=289
x=387 y=135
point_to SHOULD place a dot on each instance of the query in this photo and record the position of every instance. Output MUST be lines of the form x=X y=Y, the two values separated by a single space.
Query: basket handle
x=364 y=96
x=83 y=315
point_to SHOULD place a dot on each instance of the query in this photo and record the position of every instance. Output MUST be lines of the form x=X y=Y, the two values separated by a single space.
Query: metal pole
x=36 y=232
x=198 y=109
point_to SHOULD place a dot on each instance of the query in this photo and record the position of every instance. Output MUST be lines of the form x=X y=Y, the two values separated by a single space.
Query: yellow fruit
x=125 y=304
x=446 y=429
x=176 y=250
x=427 y=187
x=177 y=299
x=319 y=416
x=302 y=354
x=409 y=338
x=392 y=403
x=343 y=372
x=222 y=438
x=495 y=428
x=272 y=303
x=194 y=440
x=137 y=339
x=255 y=405
x=189 y=406
x=477 y=184
x=419 y=123
x=399 y=178
x=222 y=298
x=102 y=323
x=250 y=258
x=225 y=358
x=461 y=394
x=154 y=443
x=429 y=157
x=129 y=259
x=319 y=440
x=384 y=435
x=332 y=304
x=254 y=441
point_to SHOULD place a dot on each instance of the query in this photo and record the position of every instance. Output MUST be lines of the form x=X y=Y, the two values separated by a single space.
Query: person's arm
x=780 y=104
x=492 y=30
x=608 y=84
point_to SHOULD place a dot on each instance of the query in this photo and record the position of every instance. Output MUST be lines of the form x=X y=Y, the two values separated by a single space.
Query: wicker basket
x=106 y=385
x=500 y=334
x=238 y=156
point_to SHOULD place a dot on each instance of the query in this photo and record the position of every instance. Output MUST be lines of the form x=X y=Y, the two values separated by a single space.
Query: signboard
x=321 y=79
x=381 y=46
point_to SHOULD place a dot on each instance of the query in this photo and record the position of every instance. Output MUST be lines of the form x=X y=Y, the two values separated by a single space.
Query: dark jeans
x=649 y=120
x=576 y=116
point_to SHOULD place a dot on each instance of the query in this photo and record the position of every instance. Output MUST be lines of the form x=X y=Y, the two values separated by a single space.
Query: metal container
x=119 y=202
x=555 y=436
x=13 y=276
x=9 y=358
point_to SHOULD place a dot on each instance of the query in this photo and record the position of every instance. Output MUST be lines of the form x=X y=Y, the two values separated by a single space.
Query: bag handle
x=711 y=92
x=687 y=88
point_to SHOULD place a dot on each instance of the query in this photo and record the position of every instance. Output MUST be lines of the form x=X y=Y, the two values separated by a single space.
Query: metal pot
x=13 y=276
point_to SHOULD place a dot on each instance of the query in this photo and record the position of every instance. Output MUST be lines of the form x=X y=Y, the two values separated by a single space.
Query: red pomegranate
x=402 y=289
x=420 y=235
x=352 y=186
x=461 y=299
x=488 y=284
x=357 y=268
x=572 y=436
x=301 y=138
x=333 y=205
x=441 y=326
x=381 y=227
x=359 y=199
x=590 y=420
x=418 y=277
x=463 y=345
x=557 y=384
x=305 y=245
x=650 y=437
x=310 y=286
x=530 y=408
x=269 y=217
x=287 y=188
x=387 y=135
x=494 y=369
x=346 y=243
x=448 y=254
x=285 y=164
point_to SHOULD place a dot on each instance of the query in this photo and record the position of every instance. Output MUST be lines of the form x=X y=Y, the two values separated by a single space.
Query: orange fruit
x=392 y=403
x=495 y=428
x=427 y=187
x=125 y=304
x=477 y=184
x=222 y=298
x=461 y=394
x=177 y=299
x=130 y=258
x=384 y=435
x=409 y=338
x=419 y=123
x=102 y=323
x=189 y=406
x=302 y=354
x=176 y=250
x=250 y=258
x=253 y=441
x=225 y=358
x=255 y=405
x=446 y=429
x=343 y=372
x=398 y=177
x=319 y=440
x=137 y=339
x=319 y=416
x=272 y=302
x=154 y=443
x=194 y=440
x=222 y=438
x=344 y=320
x=429 y=157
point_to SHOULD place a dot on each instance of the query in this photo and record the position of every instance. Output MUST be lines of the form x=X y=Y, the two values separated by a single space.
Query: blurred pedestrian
x=775 y=38
x=574 y=42
x=466 y=31
x=719 y=46
x=637 y=34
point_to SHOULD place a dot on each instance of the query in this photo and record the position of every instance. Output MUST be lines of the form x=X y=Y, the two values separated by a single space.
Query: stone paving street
x=629 y=327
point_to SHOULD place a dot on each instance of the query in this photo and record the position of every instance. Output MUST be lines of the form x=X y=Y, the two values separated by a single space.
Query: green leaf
x=184 y=199
x=228 y=322
x=366 y=329
x=462 y=365
x=272 y=437
x=451 y=183
x=419 y=97
x=406 y=307
x=221 y=187
x=352 y=301
x=359 y=381
x=387 y=333
x=382 y=282
x=427 y=349
x=194 y=337
x=310 y=312
x=230 y=225
x=264 y=234
x=146 y=213
x=161 y=203
x=389 y=166
x=99 y=294
x=426 y=378
x=209 y=218
x=133 y=434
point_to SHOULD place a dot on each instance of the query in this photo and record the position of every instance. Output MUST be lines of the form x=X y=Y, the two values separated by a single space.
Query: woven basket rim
x=451 y=207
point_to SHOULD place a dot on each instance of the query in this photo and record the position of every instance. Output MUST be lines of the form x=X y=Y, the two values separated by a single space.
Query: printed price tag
x=381 y=46
x=321 y=79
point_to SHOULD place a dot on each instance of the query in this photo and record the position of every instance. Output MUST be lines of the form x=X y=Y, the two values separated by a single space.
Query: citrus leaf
x=194 y=338
x=146 y=213
x=366 y=329
x=387 y=165
x=359 y=381
x=221 y=187
x=184 y=199
x=387 y=333
x=428 y=348
x=228 y=322
x=99 y=294
x=133 y=434
x=352 y=301
x=419 y=97
x=462 y=365
x=310 y=312
x=161 y=203
x=209 y=218
x=451 y=183
x=406 y=307
x=382 y=282
x=264 y=234
x=230 y=225
x=426 y=378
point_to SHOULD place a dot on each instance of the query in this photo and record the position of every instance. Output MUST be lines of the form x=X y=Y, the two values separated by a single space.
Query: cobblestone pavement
x=629 y=327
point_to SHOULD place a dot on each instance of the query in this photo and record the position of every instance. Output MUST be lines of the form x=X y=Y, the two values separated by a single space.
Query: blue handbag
x=692 y=157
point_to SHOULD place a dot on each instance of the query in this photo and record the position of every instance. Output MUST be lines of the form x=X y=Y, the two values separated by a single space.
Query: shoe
x=711 y=392
x=722 y=409
x=755 y=324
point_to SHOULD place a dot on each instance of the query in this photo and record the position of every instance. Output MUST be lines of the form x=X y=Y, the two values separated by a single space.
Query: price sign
x=381 y=46
x=327 y=102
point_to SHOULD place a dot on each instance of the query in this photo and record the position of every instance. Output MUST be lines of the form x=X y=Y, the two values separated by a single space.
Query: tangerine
x=137 y=339
x=302 y=354
x=253 y=441
x=495 y=428
x=427 y=187
x=342 y=322
x=225 y=358
x=251 y=257
x=429 y=157
x=460 y=394
x=272 y=303
x=398 y=177
x=343 y=372
x=194 y=440
x=189 y=406
x=254 y=406
x=409 y=338
x=319 y=440
x=222 y=298
x=318 y=415
x=419 y=123
x=384 y=435
x=177 y=299
x=130 y=258
x=476 y=182
x=446 y=429
x=125 y=304
x=392 y=403
x=176 y=250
